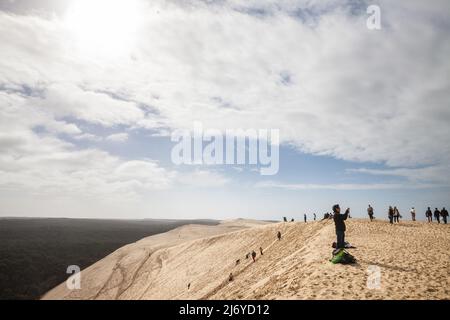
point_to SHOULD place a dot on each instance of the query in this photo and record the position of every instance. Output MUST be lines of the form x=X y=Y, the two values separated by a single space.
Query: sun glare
x=103 y=27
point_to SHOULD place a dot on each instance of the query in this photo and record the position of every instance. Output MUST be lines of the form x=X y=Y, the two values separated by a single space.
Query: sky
x=91 y=91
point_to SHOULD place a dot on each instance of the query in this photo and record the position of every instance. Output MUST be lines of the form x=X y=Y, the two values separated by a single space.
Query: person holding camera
x=339 y=222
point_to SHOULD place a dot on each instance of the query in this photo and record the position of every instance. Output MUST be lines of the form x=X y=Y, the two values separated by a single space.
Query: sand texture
x=413 y=259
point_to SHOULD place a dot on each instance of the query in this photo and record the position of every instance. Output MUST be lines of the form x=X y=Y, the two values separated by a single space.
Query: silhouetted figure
x=437 y=215
x=304 y=217
x=397 y=215
x=429 y=215
x=370 y=212
x=230 y=277
x=279 y=235
x=391 y=215
x=339 y=222
x=314 y=216
x=238 y=261
x=254 y=256
x=413 y=214
x=284 y=219
x=261 y=251
x=444 y=214
x=247 y=255
x=189 y=285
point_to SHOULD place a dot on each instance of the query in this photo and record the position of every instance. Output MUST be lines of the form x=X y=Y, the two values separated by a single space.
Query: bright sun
x=106 y=28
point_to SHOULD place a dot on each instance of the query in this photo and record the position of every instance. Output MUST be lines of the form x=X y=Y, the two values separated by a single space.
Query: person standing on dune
x=413 y=214
x=397 y=215
x=391 y=215
x=304 y=216
x=437 y=215
x=339 y=222
x=444 y=214
x=429 y=215
x=370 y=212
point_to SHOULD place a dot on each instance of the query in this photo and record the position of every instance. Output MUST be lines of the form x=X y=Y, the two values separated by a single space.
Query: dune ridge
x=413 y=257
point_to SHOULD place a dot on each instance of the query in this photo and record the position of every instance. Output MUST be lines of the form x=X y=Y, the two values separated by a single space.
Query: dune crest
x=413 y=258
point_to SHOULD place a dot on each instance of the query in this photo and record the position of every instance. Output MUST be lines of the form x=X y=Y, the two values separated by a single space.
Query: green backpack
x=342 y=256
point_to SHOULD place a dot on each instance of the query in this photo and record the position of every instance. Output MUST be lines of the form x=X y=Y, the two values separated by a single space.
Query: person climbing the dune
x=339 y=222
x=254 y=256
x=261 y=251
x=279 y=235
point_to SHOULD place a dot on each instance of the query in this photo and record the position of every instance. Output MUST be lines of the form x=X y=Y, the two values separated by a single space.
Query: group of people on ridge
x=394 y=214
x=437 y=215
x=339 y=222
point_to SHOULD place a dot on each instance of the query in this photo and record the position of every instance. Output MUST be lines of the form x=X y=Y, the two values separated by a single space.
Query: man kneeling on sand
x=340 y=225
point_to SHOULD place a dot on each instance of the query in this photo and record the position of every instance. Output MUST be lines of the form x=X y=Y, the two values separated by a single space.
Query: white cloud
x=432 y=174
x=60 y=171
x=88 y=137
x=354 y=94
x=202 y=179
x=342 y=186
x=38 y=161
x=99 y=108
x=118 y=137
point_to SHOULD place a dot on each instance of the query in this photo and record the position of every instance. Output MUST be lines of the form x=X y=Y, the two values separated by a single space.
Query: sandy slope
x=414 y=259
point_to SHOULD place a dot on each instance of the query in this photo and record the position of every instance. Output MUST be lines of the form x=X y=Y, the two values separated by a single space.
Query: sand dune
x=414 y=260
